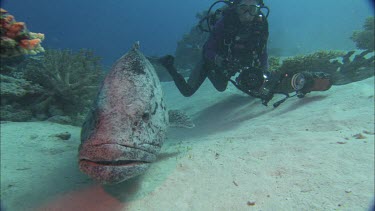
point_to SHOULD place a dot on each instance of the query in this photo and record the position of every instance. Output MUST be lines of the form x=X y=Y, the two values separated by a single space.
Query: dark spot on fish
x=156 y=107
x=135 y=125
x=136 y=65
x=146 y=116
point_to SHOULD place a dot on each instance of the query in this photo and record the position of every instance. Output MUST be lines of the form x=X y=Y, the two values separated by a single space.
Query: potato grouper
x=125 y=129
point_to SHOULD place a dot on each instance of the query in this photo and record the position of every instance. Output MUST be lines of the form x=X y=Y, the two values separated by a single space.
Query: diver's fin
x=179 y=118
x=185 y=89
x=167 y=61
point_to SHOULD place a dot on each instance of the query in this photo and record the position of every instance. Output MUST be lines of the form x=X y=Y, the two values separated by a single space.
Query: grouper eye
x=146 y=116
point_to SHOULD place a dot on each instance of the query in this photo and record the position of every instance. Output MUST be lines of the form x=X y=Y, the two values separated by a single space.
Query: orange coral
x=29 y=44
x=39 y=35
x=11 y=34
x=16 y=27
x=16 y=39
x=6 y=21
x=9 y=18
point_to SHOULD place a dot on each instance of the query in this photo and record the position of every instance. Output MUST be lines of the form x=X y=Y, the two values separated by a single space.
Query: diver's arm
x=211 y=47
x=264 y=59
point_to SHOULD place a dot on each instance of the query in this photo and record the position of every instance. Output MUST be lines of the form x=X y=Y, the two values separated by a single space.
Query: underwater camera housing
x=212 y=17
x=250 y=79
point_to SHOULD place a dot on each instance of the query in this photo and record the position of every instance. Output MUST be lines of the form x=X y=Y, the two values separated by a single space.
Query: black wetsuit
x=239 y=44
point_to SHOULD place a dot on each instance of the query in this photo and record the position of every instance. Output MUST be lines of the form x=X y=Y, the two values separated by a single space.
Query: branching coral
x=71 y=79
x=273 y=63
x=318 y=61
x=365 y=39
x=343 y=67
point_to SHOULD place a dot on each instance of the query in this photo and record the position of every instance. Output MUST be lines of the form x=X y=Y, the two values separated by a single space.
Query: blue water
x=40 y=169
x=110 y=27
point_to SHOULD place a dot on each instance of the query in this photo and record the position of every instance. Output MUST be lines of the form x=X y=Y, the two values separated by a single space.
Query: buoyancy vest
x=245 y=43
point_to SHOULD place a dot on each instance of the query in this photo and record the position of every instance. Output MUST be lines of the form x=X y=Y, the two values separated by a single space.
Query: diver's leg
x=217 y=79
x=196 y=78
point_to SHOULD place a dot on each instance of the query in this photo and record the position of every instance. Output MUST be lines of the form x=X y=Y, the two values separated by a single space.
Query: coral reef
x=72 y=80
x=16 y=40
x=365 y=39
x=66 y=83
x=16 y=98
x=273 y=63
x=315 y=62
x=344 y=67
x=17 y=94
x=13 y=88
x=354 y=66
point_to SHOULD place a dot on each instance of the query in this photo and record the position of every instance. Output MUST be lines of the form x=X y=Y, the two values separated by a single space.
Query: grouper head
x=125 y=129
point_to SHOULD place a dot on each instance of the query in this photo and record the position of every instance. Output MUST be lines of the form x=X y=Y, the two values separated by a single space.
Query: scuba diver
x=237 y=48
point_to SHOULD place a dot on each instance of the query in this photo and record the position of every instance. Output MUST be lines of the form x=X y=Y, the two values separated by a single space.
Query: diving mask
x=253 y=10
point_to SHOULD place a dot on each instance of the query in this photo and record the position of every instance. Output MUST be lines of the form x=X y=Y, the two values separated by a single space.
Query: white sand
x=287 y=158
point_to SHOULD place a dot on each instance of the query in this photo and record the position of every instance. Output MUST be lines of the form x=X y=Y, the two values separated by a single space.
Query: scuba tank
x=212 y=17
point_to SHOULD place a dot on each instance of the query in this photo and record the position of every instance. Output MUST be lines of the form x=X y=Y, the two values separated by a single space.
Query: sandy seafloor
x=300 y=156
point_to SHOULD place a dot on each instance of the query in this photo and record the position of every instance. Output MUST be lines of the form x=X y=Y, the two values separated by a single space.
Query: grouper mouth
x=113 y=163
